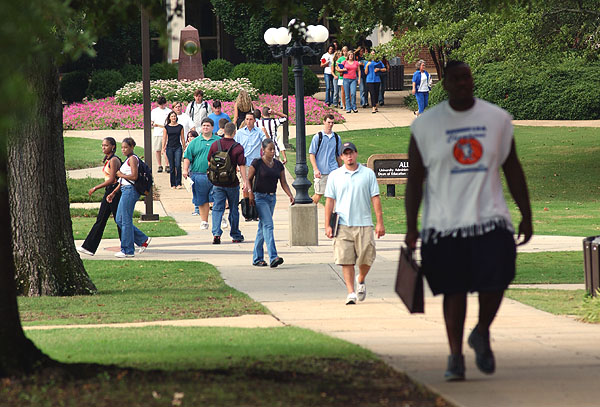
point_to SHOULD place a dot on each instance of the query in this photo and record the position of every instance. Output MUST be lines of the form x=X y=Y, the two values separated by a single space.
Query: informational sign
x=390 y=168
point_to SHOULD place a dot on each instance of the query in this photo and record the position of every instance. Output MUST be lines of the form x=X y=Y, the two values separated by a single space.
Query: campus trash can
x=591 y=264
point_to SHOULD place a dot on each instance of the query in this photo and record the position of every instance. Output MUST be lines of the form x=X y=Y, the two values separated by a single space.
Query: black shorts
x=466 y=264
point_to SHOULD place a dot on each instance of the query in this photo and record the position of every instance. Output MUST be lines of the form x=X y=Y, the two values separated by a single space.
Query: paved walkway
x=542 y=359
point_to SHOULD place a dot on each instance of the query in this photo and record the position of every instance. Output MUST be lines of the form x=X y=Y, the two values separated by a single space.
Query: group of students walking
x=456 y=151
x=345 y=71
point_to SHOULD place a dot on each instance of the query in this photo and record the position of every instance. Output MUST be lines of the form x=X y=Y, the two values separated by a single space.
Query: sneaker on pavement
x=351 y=299
x=195 y=213
x=224 y=223
x=122 y=255
x=361 y=290
x=204 y=225
x=216 y=239
x=167 y=169
x=83 y=250
x=456 y=368
x=144 y=246
x=276 y=262
x=160 y=168
x=484 y=357
x=239 y=240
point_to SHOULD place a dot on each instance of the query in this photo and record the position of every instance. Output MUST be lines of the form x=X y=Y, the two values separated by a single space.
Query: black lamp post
x=306 y=41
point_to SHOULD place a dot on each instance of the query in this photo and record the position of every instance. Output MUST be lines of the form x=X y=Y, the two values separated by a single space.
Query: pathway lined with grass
x=543 y=359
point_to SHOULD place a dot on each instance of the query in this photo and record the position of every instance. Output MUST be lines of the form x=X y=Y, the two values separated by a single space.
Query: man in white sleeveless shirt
x=456 y=151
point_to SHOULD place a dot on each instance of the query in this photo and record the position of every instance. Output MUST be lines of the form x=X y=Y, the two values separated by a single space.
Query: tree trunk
x=46 y=262
x=18 y=354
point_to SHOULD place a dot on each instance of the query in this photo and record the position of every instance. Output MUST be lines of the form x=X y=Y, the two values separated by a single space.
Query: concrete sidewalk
x=541 y=359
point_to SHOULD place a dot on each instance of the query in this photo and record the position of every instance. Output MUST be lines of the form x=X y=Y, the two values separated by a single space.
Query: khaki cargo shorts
x=354 y=245
x=320 y=184
x=157 y=143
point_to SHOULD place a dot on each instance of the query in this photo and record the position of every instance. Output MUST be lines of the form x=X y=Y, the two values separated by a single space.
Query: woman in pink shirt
x=351 y=75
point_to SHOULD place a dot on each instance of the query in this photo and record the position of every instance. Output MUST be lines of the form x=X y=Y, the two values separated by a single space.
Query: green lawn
x=211 y=366
x=558 y=302
x=87 y=153
x=84 y=219
x=561 y=165
x=550 y=268
x=142 y=291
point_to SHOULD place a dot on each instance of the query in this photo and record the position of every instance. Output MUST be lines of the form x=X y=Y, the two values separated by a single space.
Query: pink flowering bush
x=105 y=114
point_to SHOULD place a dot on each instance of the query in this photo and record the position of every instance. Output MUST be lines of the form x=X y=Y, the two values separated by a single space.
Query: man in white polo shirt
x=351 y=190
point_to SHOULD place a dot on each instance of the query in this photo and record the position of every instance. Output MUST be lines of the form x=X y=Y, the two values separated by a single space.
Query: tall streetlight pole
x=307 y=40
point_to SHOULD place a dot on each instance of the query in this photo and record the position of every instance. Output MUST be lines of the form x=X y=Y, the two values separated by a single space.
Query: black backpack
x=337 y=141
x=144 y=181
x=221 y=168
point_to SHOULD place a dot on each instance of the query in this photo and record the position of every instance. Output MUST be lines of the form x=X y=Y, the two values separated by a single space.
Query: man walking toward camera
x=455 y=153
x=198 y=109
x=158 y=118
x=324 y=155
x=352 y=190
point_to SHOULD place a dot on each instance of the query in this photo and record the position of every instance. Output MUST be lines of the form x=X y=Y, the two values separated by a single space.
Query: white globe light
x=283 y=36
x=311 y=33
x=270 y=36
x=322 y=33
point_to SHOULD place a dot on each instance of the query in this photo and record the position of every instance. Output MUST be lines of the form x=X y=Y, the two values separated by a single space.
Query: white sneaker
x=144 y=246
x=224 y=223
x=195 y=213
x=351 y=299
x=204 y=225
x=122 y=255
x=81 y=249
x=361 y=290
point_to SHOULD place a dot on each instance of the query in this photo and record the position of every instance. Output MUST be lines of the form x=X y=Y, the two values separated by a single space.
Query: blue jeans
x=265 y=205
x=328 y=88
x=336 y=93
x=383 y=77
x=129 y=233
x=232 y=195
x=350 y=90
x=422 y=100
x=362 y=89
x=174 y=157
x=201 y=189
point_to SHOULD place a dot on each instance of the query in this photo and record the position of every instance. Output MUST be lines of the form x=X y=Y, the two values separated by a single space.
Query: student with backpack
x=111 y=164
x=324 y=154
x=134 y=176
x=224 y=157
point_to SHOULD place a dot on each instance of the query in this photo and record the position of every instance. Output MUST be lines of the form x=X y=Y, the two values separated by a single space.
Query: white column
x=173 y=30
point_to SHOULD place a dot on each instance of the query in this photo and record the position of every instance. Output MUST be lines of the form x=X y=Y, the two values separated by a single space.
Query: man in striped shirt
x=269 y=124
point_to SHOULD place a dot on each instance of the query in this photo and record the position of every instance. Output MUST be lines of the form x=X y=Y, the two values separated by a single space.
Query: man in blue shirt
x=324 y=155
x=351 y=190
x=250 y=137
x=218 y=114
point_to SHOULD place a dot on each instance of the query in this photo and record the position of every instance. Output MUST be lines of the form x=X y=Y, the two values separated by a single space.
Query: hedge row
x=565 y=91
x=105 y=82
x=265 y=77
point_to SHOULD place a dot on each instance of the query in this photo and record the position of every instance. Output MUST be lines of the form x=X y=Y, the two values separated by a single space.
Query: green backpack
x=221 y=169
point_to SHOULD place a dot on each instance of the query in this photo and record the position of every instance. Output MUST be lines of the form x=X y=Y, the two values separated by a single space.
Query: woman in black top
x=112 y=163
x=265 y=172
x=173 y=143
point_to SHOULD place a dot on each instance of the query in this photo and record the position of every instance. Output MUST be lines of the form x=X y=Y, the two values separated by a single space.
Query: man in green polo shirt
x=196 y=154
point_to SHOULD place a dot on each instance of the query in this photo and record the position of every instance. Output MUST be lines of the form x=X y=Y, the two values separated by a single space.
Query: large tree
x=34 y=35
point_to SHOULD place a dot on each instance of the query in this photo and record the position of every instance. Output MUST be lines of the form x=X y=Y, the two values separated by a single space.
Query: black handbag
x=248 y=211
x=409 y=282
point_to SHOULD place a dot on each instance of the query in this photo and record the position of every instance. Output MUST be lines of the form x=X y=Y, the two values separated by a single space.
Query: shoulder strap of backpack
x=219 y=145
x=235 y=143
x=337 y=141
x=319 y=143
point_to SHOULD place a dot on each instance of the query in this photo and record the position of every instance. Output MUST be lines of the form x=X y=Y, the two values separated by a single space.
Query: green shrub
x=547 y=91
x=218 y=69
x=163 y=70
x=131 y=73
x=104 y=83
x=311 y=82
x=267 y=78
x=73 y=86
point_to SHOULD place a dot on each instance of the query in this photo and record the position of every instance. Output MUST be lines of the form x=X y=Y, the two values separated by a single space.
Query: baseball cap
x=348 y=146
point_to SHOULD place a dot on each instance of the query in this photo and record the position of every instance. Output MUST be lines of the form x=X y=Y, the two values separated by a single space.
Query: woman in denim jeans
x=350 y=70
x=265 y=172
x=173 y=144
x=129 y=195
